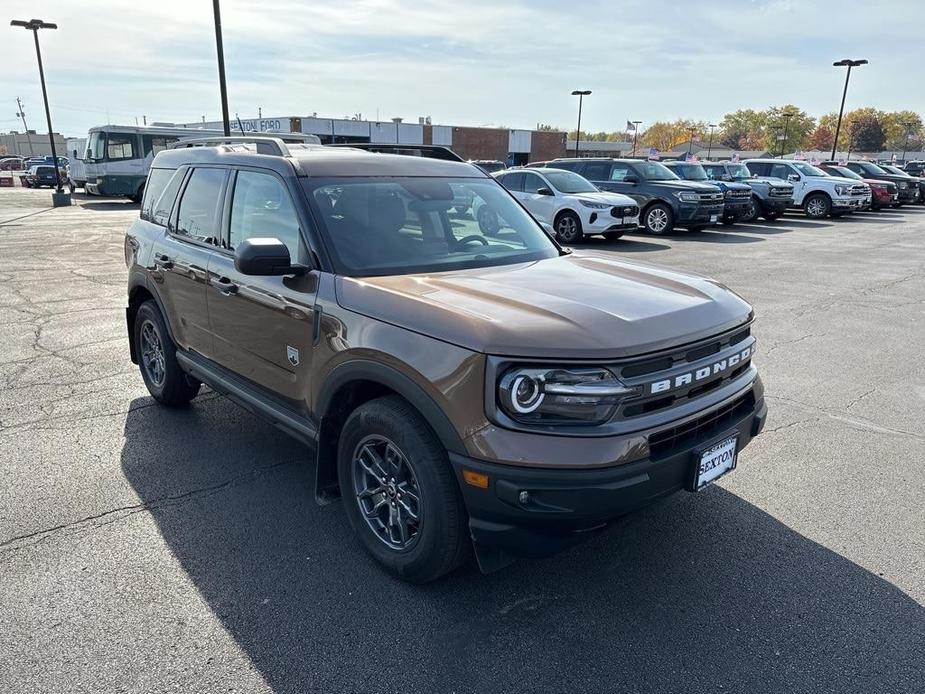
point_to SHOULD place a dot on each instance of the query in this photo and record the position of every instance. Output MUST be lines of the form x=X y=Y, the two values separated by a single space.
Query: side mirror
x=544 y=191
x=793 y=177
x=631 y=179
x=263 y=257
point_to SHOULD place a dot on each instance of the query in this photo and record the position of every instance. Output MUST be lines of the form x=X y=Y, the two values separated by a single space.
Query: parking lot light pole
x=59 y=198
x=908 y=127
x=690 y=144
x=216 y=11
x=787 y=115
x=849 y=64
x=710 y=146
x=635 y=133
x=581 y=94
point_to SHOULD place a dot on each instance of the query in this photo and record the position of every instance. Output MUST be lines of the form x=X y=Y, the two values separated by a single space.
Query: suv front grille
x=711 y=197
x=667 y=367
x=858 y=190
x=738 y=194
x=619 y=212
x=781 y=192
x=696 y=431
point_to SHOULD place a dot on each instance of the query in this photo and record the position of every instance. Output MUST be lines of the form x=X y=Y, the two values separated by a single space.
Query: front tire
x=658 y=219
x=157 y=359
x=753 y=211
x=817 y=206
x=399 y=491
x=568 y=227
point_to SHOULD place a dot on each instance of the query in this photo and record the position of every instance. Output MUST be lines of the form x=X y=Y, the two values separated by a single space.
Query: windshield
x=807 y=169
x=96 y=145
x=872 y=169
x=690 y=172
x=491 y=166
x=842 y=171
x=569 y=182
x=889 y=168
x=653 y=171
x=401 y=225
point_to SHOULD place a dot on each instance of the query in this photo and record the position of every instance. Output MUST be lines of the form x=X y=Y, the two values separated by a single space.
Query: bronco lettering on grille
x=704 y=372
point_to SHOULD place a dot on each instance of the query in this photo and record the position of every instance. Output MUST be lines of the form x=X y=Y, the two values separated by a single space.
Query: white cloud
x=472 y=62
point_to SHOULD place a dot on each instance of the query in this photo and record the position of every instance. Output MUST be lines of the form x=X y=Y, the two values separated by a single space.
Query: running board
x=249 y=397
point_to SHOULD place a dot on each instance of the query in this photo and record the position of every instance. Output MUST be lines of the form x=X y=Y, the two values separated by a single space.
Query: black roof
x=318 y=160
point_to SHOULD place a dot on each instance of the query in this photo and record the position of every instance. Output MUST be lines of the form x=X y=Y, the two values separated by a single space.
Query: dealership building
x=515 y=147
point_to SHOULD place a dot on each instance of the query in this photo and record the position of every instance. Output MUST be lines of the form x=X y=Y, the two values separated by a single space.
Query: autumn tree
x=820 y=140
x=789 y=133
x=665 y=136
x=744 y=123
x=903 y=130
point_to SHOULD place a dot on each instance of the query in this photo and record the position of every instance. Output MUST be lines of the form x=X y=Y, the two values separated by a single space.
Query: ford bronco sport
x=458 y=391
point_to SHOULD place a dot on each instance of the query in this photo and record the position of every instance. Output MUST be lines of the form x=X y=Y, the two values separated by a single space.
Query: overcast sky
x=467 y=62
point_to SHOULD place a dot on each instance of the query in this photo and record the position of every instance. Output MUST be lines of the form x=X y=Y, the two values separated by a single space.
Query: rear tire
x=136 y=197
x=157 y=359
x=568 y=227
x=817 y=206
x=658 y=219
x=388 y=437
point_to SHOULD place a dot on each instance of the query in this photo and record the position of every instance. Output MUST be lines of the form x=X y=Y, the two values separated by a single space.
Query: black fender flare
x=368 y=370
x=139 y=280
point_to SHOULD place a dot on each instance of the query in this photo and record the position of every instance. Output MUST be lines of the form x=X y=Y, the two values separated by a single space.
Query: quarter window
x=163 y=204
x=121 y=146
x=261 y=207
x=157 y=181
x=199 y=206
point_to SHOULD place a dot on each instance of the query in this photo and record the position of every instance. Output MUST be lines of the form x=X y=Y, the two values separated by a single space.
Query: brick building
x=512 y=146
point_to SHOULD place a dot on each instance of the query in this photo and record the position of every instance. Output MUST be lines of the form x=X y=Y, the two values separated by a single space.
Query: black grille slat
x=669 y=441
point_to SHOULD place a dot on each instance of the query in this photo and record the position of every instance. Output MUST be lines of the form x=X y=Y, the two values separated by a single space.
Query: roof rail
x=266 y=144
x=426 y=151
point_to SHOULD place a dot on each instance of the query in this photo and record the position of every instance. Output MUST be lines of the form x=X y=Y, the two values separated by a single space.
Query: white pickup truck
x=815 y=191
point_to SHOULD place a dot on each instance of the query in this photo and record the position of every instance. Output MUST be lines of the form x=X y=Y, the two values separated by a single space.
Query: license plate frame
x=714 y=218
x=702 y=477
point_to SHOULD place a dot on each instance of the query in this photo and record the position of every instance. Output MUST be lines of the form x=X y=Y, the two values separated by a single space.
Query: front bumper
x=599 y=221
x=779 y=205
x=910 y=194
x=564 y=504
x=735 y=209
x=695 y=213
x=849 y=203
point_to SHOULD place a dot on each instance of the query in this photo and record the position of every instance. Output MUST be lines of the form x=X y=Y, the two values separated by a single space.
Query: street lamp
x=635 y=133
x=59 y=198
x=690 y=145
x=710 y=146
x=908 y=126
x=217 y=13
x=848 y=63
x=776 y=130
x=581 y=94
x=786 y=115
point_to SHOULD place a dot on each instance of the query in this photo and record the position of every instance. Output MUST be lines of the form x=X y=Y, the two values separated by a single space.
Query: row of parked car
x=590 y=196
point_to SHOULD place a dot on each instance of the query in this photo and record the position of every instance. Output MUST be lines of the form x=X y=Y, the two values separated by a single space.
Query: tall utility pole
x=21 y=114
x=581 y=94
x=690 y=144
x=710 y=146
x=847 y=62
x=59 y=198
x=216 y=11
x=635 y=133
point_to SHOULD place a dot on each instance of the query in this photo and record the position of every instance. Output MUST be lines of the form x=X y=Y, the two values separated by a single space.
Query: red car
x=883 y=193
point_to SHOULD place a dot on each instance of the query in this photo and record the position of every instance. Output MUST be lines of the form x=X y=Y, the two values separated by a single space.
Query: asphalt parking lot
x=143 y=549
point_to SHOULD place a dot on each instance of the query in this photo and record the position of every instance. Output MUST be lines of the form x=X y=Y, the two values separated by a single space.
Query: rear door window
x=759 y=168
x=597 y=171
x=781 y=171
x=532 y=182
x=198 y=216
x=619 y=172
x=514 y=181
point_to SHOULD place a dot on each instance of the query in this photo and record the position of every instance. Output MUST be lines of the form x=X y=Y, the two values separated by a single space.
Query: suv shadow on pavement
x=688 y=595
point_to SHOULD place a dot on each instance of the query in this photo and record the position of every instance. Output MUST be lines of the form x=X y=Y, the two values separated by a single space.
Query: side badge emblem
x=293 y=355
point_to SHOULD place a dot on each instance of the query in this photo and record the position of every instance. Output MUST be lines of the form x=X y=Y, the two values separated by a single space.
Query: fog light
x=524 y=497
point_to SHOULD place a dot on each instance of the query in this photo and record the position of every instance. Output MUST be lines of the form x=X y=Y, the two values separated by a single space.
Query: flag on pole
x=653 y=154
x=630 y=125
x=734 y=158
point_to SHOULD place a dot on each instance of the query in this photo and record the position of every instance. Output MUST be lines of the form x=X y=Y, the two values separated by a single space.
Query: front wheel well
x=136 y=297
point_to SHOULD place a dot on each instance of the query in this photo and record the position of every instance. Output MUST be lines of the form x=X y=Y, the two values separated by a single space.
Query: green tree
x=796 y=128
x=903 y=129
x=867 y=133
x=744 y=123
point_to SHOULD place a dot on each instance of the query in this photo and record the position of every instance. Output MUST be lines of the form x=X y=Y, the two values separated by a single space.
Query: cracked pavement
x=147 y=550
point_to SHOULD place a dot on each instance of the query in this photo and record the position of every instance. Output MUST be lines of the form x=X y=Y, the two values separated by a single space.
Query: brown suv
x=458 y=390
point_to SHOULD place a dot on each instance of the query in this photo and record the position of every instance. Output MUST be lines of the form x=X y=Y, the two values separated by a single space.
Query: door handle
x=162 y=260
x=226 y=286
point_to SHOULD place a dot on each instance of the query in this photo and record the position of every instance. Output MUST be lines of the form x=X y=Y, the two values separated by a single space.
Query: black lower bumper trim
x=561 y=505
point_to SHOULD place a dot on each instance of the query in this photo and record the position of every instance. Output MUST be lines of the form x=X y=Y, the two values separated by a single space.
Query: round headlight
x=524 y=393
